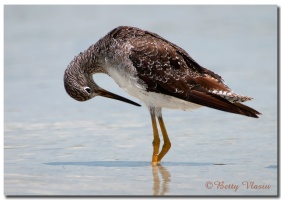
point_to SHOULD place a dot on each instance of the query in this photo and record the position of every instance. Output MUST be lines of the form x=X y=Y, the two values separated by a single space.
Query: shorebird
x=154 y=70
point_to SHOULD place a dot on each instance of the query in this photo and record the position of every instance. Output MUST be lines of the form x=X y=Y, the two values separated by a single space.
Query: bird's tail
x=220 y=103
x=247 y=110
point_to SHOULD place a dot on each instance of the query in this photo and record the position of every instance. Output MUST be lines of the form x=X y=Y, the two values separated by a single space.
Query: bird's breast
x=127 y=79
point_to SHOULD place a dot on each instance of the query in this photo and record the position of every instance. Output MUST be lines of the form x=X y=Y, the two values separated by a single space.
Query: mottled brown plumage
x=158 y=72
x=167 y=69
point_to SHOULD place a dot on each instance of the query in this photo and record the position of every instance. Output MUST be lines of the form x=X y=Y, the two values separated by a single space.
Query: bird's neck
x=87 y=62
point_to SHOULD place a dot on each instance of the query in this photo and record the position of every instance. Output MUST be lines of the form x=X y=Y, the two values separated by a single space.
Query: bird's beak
x=107 y=94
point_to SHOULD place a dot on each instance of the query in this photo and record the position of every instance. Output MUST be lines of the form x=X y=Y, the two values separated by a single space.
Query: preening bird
x=154 y=70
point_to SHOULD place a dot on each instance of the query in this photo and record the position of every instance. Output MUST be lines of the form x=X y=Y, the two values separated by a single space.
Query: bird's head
x=80 y=85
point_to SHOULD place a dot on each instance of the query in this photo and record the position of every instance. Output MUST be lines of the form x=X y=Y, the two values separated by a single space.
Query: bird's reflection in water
x=166 y=178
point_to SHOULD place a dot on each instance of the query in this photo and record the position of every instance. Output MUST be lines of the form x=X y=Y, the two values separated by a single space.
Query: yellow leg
x=167 y=143
x=156 y=140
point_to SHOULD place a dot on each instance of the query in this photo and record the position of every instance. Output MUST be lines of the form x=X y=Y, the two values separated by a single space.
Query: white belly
x=151 y=99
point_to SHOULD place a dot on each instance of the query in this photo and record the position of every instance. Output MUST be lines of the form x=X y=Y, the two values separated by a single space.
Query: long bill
x=107 y=94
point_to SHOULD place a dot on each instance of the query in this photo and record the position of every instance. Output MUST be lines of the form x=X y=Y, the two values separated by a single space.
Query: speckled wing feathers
x=166 y=68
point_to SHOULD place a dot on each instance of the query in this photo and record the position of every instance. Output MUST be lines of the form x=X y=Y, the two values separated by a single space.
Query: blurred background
x=54 y=145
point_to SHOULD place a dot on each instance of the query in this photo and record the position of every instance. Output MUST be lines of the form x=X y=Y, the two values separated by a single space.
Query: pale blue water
x=54 y=145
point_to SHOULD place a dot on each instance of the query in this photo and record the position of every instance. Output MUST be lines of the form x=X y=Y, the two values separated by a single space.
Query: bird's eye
x=88 y=90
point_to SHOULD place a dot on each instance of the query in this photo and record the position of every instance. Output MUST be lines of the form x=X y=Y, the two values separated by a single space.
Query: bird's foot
x=154 y=164
x=156 y=161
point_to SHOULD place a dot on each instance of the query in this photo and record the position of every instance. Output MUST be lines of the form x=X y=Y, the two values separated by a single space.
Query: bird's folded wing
x=165 y=68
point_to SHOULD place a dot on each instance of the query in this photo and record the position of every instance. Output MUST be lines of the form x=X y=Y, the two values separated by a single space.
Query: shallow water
x=54 y=145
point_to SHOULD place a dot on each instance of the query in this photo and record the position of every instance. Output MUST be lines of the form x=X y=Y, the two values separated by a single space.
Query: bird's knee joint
x=167 y=145
x=156 y=142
